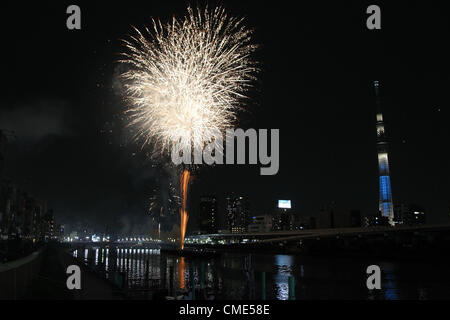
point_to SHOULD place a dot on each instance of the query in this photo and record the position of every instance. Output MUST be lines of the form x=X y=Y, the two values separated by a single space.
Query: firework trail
x=184 y=185
x=186 y=79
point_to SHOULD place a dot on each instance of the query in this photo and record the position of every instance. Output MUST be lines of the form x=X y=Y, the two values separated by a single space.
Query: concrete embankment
x=16 y=277
x=42 y=276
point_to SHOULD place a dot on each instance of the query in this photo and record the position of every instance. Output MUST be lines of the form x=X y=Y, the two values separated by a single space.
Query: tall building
x=385 y=195
x=260 y=224
x=281 y=221
x=208 y=215
x=3 y=142
x=48 y=226
x=376 y=220
x=284 y=219
x=5 y=208
x=408 y=215
x=238 y=214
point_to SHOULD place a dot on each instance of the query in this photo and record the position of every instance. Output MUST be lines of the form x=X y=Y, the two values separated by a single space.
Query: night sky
x=318 y=62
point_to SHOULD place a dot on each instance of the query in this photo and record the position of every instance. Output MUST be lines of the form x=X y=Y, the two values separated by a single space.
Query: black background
x=318 y=62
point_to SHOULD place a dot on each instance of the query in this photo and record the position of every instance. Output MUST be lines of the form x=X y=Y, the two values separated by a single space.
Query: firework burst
x=185 y=81
x=187 y=77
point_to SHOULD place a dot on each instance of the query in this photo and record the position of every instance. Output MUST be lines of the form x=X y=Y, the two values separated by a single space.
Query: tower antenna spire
x=376 y=85
x=386 y=207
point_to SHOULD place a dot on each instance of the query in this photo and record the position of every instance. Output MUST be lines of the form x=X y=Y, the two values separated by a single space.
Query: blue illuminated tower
x=385 y=201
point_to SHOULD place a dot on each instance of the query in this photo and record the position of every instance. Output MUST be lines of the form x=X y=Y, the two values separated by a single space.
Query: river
x=240 y=276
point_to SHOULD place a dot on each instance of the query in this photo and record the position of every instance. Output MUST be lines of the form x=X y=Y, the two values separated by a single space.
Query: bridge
x=359 y=232
x=311 y=234
x=376 y=237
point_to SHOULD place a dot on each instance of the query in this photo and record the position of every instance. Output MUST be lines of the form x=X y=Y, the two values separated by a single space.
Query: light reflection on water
x=284 y=265
x=238 y=276
x=181 y=273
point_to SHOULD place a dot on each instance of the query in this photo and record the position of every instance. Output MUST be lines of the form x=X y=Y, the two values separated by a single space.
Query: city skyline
x=325 y=114
x=197 y=153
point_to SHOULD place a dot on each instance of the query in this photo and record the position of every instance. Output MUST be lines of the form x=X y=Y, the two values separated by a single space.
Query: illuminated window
x=383 y=162
x=379 y=117
x=385 y=188
x=380 y=131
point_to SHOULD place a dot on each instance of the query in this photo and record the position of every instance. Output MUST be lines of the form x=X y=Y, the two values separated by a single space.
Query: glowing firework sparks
x=184 y=185
x=186 y=80
x=187 y=77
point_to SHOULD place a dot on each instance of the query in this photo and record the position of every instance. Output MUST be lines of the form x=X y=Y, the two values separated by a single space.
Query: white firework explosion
x=187 y=78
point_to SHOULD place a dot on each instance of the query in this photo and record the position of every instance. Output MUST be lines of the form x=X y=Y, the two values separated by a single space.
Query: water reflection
x=181 y=273
x=238 y=276
x=389 y=285
x=284 y=265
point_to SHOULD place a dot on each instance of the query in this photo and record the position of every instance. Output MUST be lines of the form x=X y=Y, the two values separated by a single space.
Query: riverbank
x=42 y=276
